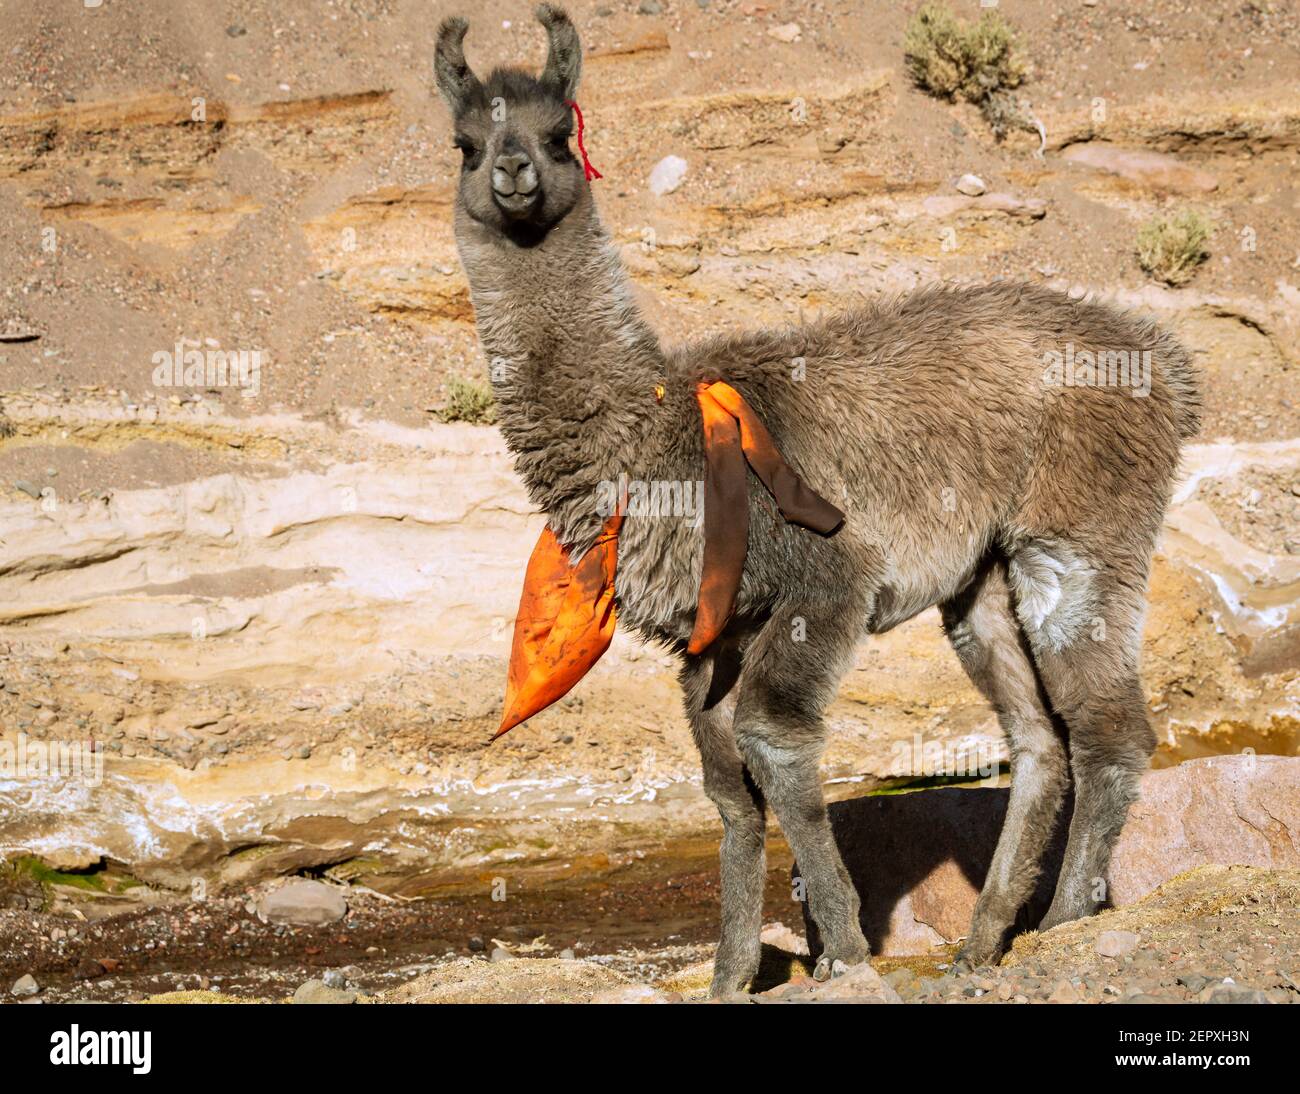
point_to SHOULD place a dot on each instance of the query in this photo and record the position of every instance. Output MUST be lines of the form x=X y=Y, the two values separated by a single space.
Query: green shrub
x=1171 y=247
x=467 y=401
x=952 y=58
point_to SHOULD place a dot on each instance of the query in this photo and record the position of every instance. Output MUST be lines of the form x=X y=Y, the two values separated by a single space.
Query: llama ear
x=564 y=56
x=456 y=82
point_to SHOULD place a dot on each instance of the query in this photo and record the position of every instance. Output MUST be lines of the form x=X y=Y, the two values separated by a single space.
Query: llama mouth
x=516 y=205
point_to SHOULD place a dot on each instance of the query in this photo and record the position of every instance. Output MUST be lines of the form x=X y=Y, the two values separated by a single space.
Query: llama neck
x=572 y=363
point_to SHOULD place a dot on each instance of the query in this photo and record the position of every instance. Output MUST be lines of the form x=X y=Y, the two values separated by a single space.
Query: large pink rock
x=1222 y=810
x=919 y=859
x=1154 y=170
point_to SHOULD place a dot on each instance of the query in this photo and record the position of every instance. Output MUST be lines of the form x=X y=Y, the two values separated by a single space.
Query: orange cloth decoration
x=565 y=622
x=566 y=613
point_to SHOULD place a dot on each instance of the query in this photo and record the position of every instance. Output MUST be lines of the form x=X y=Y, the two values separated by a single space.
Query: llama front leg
x=791 y=672
x=708 y=683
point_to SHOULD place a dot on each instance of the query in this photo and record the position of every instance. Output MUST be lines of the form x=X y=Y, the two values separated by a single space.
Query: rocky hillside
x=280 y=607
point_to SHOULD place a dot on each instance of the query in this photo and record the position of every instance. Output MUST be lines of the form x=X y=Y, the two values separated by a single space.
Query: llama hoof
x=721 y=987
x=732 y=976
x=969 y=959
x=964 y=964
x=828 y=968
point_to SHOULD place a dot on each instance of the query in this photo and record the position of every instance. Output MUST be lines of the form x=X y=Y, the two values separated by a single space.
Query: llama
x=1026 y=510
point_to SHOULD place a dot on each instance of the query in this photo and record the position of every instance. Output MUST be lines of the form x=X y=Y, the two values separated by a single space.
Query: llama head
x=519 y=176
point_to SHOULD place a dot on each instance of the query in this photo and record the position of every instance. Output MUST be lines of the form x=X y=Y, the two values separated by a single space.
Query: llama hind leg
x=1087 y=648
x=982 y=627
x=790 y=674
x=708 y=684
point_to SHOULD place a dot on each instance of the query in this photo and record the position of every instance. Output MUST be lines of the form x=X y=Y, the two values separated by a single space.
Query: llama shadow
x=891 y=843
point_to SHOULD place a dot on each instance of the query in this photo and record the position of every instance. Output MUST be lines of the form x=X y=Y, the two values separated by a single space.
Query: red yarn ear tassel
x=588 y=171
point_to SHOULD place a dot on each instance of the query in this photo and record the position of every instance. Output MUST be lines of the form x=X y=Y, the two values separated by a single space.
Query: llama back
x=951 y=419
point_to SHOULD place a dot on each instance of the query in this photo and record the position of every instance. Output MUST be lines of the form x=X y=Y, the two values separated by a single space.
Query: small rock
x=786 y=32
x=1116 y=943
x=860 y=982
x=783 y=938
x=665 y=176
x=1231 y=993
x=633 y=993
x=567 y=954
x=971 y=185
x=649 y=7
x=1064 y=992
x=1158 y=171
x=499 y=954
x=89 y=969
x=25 y=985
x=303 y=904
x=799 y=985
x=476 y=945
x=317 y=991
x=334 y=978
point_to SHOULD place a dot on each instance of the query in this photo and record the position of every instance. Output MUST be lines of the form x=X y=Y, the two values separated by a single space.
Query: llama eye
x=469 y=150
x=559 y=144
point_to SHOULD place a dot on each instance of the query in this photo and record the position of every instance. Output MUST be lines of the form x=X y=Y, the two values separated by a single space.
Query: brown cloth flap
x=733 y=434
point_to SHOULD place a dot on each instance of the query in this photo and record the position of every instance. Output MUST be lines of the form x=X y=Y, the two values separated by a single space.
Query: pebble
x=317 y=991
x=303 y=903
x=1064 y=992
x=633 y=993
x=665 y=176
x=1234 y=994
x=25 y=985
x=1116 y=943
x=971 y=185
x=89 y=969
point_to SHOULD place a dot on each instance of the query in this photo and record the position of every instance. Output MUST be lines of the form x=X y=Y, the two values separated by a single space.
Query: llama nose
x=513 y=173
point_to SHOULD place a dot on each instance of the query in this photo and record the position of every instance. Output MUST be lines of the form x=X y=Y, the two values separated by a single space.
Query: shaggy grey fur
x=1027 y=510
